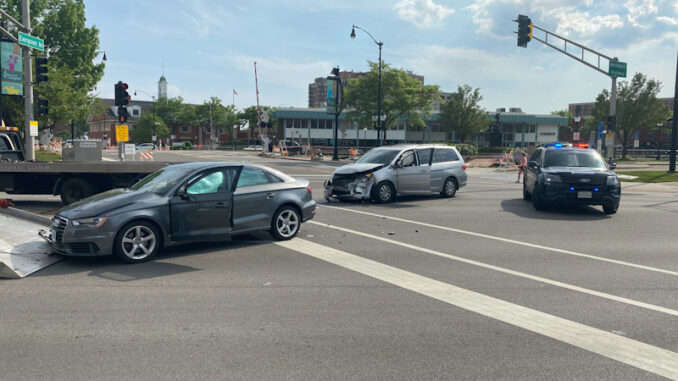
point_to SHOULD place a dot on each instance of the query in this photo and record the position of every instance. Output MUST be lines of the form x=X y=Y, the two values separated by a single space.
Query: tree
x=170 y=110
x=143 y=132
x=462 y=113
x=61 y=23
x=637 y=108
x=251 y=115
x=403 y=97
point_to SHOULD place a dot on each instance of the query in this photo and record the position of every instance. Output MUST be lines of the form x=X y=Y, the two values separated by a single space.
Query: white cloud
x=668 y=20
x=205 y=18
x=583 y=24
x=638 y=9
x=422 y=13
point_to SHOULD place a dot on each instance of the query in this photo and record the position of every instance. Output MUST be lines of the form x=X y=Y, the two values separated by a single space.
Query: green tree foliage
x=638 y=108
x=171 y=110
x=143 y=132
x=61 y=23
x=463 y=114
x=403 y=97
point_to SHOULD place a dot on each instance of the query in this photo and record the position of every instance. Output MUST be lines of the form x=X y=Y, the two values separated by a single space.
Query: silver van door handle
x=270 y=195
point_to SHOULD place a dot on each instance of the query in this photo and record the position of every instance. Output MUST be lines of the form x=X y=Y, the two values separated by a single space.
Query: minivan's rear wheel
x=383 y=192
x=137 y=241
x=449 y=188
x=285 y=224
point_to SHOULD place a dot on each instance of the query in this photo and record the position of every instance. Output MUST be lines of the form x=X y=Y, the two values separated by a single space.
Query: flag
x=235 y=92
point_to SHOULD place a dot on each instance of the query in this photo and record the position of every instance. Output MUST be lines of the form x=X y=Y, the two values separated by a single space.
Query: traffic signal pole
x=612 y=120
x=28 y=85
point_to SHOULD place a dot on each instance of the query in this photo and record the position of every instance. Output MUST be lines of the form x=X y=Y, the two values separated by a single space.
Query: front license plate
x=584 y=194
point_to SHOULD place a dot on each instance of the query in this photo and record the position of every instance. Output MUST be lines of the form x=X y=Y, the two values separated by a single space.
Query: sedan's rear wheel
x=136 y=242
x=285 y=224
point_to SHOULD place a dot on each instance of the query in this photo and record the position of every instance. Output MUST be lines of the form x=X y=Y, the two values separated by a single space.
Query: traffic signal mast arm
x=567 y=42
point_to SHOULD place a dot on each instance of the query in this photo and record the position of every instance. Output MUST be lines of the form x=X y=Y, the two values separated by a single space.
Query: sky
x=208 y=48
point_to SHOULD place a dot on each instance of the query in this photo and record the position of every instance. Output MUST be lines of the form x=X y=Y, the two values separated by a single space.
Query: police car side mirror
x=612 y=165
x=532 y=164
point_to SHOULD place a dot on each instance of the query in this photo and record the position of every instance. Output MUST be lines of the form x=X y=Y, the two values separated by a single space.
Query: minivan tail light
x=309 y=189
x=463 y=166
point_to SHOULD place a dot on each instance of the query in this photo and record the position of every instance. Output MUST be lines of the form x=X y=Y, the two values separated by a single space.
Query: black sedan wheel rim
x=138 y=242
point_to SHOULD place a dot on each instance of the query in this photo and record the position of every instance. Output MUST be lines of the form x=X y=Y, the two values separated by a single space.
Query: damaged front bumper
x=356 y=189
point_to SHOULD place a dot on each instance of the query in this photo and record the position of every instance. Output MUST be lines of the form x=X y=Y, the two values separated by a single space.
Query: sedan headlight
x=612 y=180
x=550 y=178
x=90 y=222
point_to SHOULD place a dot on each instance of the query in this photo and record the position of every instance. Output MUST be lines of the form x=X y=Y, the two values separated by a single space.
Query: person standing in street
x=522 y=166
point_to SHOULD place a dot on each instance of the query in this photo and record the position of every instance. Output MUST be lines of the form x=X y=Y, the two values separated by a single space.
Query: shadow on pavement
x=563 y=212
x=108 y=267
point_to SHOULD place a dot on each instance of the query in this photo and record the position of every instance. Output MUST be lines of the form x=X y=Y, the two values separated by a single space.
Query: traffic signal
x=524 y=30
x=43 y=107
x=611 y=123
x=122 y=115
x=121 y=95
x=40 y=69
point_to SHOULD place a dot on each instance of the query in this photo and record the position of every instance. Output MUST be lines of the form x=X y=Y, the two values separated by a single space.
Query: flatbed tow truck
x=70 y=180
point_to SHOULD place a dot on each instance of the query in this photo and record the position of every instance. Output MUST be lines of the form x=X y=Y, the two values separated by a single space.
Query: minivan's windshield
x=383 y=156
x=162 y=180
x=573 y=158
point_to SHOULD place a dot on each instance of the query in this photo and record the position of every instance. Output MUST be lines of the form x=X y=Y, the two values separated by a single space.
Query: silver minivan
x=386 y=172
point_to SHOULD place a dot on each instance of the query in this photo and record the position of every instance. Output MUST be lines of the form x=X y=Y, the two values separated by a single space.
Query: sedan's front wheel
x=285 y=224
x=137 y=241
x=383 y=192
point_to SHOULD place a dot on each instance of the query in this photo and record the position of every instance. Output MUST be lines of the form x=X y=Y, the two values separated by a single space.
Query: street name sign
x=617 y=69
x=30 y=41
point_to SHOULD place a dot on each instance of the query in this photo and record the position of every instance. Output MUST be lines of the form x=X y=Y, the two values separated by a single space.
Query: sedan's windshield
x=382 y=156
x=574 y=158
x=162 y=180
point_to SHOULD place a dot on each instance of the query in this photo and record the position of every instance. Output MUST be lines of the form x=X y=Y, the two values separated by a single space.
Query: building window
x=184 y=128
x=314 y=123
x=221 y=130
x=135 y=111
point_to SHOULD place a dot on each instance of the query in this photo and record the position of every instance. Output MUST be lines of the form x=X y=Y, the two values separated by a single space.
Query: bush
x=467 y=149
x=491 y=149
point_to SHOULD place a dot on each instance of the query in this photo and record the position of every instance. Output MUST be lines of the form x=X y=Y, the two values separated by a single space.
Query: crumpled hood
x=104 y=203
x=357 y=168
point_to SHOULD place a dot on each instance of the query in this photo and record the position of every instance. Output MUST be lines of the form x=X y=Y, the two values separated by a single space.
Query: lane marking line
x=628 y=351
x=504 y=270
x=527 y=244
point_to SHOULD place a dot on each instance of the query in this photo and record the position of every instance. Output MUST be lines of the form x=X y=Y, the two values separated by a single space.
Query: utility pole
x=674 y=127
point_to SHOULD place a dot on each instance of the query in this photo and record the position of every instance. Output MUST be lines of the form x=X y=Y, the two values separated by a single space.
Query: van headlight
x=90 y=222
x=366 y=178
x=612 y=180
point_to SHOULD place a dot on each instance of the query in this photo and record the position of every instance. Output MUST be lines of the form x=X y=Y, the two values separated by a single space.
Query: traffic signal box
x=121 y=100
x=524 y=30
x=40 y=69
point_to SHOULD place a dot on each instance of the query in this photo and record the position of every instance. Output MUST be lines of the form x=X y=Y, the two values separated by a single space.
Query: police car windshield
x=573 y=158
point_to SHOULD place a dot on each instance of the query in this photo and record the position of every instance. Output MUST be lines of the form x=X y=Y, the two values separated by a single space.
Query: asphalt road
x=481 y=286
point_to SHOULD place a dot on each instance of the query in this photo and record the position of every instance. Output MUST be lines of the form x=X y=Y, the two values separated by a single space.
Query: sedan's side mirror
x=532 y=164
x=397 y=165
x=612 y=165
x=182 y=193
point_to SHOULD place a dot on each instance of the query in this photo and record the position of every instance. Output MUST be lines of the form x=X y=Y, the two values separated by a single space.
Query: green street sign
x=31 y=42
x=617 y=69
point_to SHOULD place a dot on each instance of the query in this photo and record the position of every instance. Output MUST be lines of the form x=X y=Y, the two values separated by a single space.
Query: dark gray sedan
x=183 y=203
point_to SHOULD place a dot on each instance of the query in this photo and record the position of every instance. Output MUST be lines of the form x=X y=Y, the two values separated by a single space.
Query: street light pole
x=380 y=44
x=674 y=127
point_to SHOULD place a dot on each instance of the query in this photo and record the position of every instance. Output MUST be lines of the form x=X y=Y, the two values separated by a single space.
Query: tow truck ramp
x=22 y=251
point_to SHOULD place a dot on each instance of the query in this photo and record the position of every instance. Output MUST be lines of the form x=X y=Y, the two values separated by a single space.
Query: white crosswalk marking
x=640 y=355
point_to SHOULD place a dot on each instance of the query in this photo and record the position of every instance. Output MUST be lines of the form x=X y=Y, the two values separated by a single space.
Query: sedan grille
x=574 y=179
x=59 y=225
